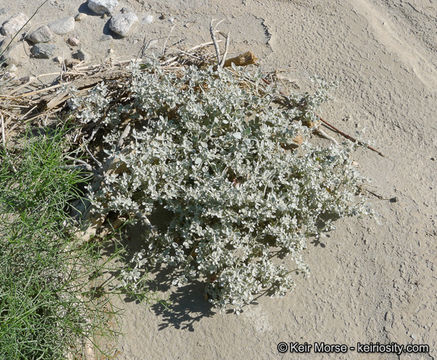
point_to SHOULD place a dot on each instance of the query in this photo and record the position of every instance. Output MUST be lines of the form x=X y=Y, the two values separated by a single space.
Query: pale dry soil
x=372 y=280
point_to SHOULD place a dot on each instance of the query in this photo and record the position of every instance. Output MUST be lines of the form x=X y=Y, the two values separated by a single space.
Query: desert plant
x=222 y=174
x=45 y=309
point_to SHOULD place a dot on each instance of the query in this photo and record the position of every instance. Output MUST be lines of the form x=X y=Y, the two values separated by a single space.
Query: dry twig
x=3 y=131
x=222 y=63
x=212 y=30
x=333 y=128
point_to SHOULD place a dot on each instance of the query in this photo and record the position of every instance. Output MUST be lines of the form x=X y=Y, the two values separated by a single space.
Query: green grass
x=45 y=309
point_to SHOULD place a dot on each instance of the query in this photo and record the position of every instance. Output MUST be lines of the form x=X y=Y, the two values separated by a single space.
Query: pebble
x=121 y=24
x=9 y=75
x=41 y=35
x=101 y=7
x=80 y=17
x=125 y=10
x=80 y=55
x=58 y=59
x=71 y=62
x=73 y=41
x=16 y=54
x=148 y=19
x=14 y=24
x=62 y=26
x=43 y=51
x=27 y=79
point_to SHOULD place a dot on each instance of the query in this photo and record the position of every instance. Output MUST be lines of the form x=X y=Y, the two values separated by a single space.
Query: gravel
x=41 y=35
x=101 y=7
x=63 y=26
x=14 y=24
x=43 y=51
x=121 y=24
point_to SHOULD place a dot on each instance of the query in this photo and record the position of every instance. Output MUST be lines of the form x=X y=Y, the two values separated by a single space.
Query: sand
x=373 y=280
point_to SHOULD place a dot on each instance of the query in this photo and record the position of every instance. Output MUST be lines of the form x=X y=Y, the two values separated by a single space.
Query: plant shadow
x=185 y=306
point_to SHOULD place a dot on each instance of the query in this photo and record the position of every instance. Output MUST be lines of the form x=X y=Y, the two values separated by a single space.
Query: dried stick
x=325 y=135
x=164 y=48
x=333 y=128
x=92 y=156
x=222 y=63
x=174 y=58
x=214 y=40
x=87 y=166
x=3 y=131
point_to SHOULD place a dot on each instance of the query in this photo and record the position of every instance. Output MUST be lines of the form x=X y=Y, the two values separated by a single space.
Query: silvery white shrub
x=214 y=155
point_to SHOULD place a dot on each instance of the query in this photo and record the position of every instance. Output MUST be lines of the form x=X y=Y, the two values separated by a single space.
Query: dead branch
x=333 y=128
x=222 y=63
x=212 y=30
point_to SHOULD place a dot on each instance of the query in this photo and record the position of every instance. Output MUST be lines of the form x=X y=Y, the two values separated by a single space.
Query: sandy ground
x=372 y=280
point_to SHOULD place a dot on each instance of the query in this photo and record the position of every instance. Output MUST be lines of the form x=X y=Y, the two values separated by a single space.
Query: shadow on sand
x=185 y=305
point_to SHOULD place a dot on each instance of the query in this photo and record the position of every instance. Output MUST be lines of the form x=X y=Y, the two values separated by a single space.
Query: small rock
x=8 y=75
x=148 y=19
x=43 y=51
x=27 y=79
x=122 y=23
x=80 y=17
x=62 y=26
x=58 y=59
x=101 y=7
x=80 y=55
x=106 y=37
x=73 y=41
x=14 y=24
x=16 y=54
x=71 y=62
x=125 y=10
x=41 y=35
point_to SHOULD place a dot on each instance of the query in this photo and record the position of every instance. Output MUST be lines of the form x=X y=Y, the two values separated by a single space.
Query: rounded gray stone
x=14 y=24
x=101 y=7
x=80 y=17
x=43 y=51
x=41 y=35
x=63 y=26
x=16 y=54
x=121 y=24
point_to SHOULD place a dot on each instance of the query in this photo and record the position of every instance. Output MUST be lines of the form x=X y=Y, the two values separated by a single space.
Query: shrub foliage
x=207 y=160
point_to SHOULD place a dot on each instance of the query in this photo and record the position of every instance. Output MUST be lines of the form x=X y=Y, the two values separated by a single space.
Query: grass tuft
x=45 y=311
